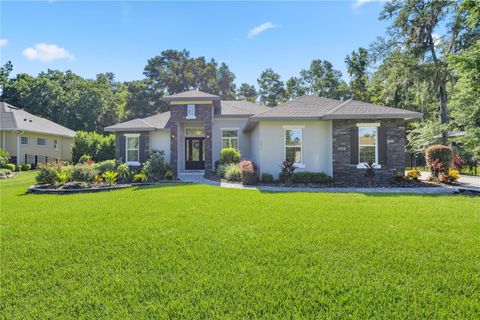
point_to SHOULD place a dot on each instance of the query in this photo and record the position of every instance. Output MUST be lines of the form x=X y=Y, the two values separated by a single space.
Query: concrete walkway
x=471 y=183
x=199 y=179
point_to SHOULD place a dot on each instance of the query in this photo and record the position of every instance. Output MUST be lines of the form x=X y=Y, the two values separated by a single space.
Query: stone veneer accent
x=343 y=170
x=178 y=120
x=144 y=145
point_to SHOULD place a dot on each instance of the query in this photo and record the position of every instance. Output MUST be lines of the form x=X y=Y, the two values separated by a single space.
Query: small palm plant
x=287 y=168
x=63 y=176
x=110 y=177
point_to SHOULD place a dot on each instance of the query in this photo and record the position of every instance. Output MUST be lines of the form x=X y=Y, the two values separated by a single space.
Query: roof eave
x=169 y=99
x=406 y=116
x=110 y=129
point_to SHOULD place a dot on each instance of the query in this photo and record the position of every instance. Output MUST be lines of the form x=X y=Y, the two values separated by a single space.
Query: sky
x=117 y=36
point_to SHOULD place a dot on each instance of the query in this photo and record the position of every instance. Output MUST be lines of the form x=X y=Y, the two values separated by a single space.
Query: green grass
x=191 y=251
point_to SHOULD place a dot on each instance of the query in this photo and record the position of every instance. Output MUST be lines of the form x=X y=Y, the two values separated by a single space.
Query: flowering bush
x=83 y=173
x=413 y=174
x=47 y=173
x=450 y=177
x=154 y=168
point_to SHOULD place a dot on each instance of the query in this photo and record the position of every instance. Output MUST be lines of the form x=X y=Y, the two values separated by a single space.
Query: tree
x=295 y=88
x=322 y=80
x=412 y=31
x=141 y=100
x=247 y=92
x=272 y=89
x=466 y=97
x=225 y=82
x=5 y=71
x=357 y=64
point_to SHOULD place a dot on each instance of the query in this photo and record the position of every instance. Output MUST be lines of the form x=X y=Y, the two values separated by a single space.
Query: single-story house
x=32 y=139
x=317 y=134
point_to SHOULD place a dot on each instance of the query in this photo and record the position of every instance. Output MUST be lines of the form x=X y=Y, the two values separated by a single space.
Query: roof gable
x=13 y=118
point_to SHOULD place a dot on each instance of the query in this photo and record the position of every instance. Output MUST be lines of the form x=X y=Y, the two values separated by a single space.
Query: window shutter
x=354 y=145
x=382 y=145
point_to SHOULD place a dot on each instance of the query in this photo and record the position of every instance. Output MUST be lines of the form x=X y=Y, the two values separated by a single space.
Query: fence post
x=36 y=160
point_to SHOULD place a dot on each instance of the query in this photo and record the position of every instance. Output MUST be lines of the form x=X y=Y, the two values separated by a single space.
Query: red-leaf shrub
x=458 y=162
x=441 y=153
x=436 y=167
x=247 y=172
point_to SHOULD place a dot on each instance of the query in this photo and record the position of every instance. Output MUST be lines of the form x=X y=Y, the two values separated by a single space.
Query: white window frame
x=301 y=164
x=230 y=138
x=41 y=145
x=127 y=136
x=362 y=165
x=55 y=144
x=22 y=139
x=191 y=111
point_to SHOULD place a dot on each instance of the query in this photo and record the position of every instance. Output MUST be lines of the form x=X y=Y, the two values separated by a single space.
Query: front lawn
x=191 y=251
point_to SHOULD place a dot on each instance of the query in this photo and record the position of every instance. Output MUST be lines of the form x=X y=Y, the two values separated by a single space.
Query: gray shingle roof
x=242 y=107
x=156 y=122
x=309 y=107
x=12 y=118
x=192 y=94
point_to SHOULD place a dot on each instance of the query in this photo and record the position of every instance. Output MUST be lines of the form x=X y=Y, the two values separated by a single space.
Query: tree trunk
x=442 y=91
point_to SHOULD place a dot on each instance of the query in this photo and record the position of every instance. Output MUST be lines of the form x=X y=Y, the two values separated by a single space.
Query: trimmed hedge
x=441 y=153
x=229 y=155
x=308 y=177
x=267 y=178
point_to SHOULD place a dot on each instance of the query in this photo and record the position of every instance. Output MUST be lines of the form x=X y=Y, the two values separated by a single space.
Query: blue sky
x=120 y=37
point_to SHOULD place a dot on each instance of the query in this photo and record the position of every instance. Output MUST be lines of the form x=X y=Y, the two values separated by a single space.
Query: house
x=31 y=139
x=317 y=134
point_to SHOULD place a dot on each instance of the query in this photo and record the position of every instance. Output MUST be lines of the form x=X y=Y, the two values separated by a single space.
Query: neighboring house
x=31 y=139
x=317 y=134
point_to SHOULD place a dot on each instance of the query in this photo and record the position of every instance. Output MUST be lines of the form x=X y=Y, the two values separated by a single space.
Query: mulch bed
x=366 y=184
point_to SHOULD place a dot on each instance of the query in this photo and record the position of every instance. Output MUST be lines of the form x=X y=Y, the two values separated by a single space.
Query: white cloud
x=357 y=4
x=47 y=53
x=3 y=42
x=437 y=40
x=261 y=28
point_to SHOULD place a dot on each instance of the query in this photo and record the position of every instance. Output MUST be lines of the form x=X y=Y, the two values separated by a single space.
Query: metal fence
x=34 y=160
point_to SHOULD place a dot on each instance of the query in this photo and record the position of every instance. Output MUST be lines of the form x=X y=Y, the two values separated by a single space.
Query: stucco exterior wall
x=316 y=146
x=232 y=124
x=63 y=151
x=160 y=140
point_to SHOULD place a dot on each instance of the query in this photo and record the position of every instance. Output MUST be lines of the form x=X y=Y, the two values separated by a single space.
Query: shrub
x=436 y=167
x=458 y=162
x=232 y=172
x=4 y=174
x=110 y=177
x=104 y=166
x=85 y=158
x=83 y=173
x=63 y=176
x=321 y=177
x=311 y=177
x=47 y=173
x=221 y=170
x=124 y=173
x=154 y=168
x=4 y=157
x=18 y=167
x=369 y=171
x=168 y=175
x=441 y=153
x=99 y=147
x=26 y=167
x=267 y=178
x=413 y=174
x=140 y=177
x=9 y=166
x=399 y=176
x=248 y=173
x=229 y=155
x=286 y=172
x=450 y=177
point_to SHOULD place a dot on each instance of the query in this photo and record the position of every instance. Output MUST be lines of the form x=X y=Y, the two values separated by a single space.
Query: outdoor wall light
x=208 y=137
x=173 y=135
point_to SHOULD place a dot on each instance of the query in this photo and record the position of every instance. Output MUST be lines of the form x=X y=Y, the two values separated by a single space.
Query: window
x=230 y=138
x=55 y=144
x=132 y=154
x=293 y=145
x=24 y=140
x=194 y=131
x=367 y=145
x=191 y=111
x=41 y=142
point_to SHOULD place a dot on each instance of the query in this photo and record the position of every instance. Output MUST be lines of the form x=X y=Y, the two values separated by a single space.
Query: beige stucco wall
x=160 y=140
x=63 y=152
x=233 y=124
x=316 y=146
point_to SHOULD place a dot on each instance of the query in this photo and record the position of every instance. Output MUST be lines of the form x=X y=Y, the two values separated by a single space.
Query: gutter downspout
x=3 y=140
x=18 y=146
